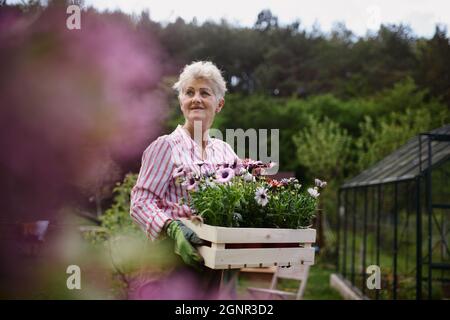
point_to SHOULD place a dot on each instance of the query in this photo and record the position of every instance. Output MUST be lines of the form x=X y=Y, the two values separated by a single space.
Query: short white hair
x=202 y=70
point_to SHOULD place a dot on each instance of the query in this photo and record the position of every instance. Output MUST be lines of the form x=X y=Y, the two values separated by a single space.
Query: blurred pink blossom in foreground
x=179 y=284
x=70 y=100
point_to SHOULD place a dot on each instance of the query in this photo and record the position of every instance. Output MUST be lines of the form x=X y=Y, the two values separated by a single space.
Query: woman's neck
x=190 y=129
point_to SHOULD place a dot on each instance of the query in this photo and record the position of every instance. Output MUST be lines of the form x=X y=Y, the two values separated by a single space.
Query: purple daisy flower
x=178 y=172
x=190 y=183
x=224 y=175
x=200 y=164
x=237 y=167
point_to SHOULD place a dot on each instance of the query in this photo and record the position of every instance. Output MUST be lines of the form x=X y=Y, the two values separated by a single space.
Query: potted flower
x=249 y=219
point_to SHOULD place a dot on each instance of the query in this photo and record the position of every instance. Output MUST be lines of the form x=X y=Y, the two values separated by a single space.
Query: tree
x=324 y=148
x=379 y=139
x=266 y=20
x=433 y=70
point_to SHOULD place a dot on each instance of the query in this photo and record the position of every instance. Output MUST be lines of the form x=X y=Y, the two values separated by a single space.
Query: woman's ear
x=220 y=105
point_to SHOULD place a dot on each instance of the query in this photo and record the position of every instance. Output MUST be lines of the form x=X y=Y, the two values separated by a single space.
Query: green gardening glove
x=184 y=238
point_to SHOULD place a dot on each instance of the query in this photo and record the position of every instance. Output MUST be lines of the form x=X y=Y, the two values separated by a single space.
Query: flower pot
x=235 y=248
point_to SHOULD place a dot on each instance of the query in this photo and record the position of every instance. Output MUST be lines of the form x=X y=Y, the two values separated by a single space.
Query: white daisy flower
x=248 y=177
x=313 y=192
x=210 y=183
x=261 y=196
x=320 y=183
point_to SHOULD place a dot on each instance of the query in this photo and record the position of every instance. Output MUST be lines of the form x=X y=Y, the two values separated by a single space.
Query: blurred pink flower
x=72 y=100
x=180 y=284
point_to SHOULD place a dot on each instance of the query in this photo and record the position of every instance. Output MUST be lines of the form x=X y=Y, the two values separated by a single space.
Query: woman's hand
x=184 y=239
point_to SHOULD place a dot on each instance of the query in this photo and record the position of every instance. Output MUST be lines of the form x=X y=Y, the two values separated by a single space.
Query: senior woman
x=155 y=199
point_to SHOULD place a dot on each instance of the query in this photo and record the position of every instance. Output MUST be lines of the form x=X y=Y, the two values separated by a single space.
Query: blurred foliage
x=130 y=253
x=116 y=220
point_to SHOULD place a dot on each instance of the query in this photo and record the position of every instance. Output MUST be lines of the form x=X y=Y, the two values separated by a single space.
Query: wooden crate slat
x=240 y=258
x=251 y=235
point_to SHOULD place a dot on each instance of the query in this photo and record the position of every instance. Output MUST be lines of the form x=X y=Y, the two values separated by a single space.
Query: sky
x=358 y=15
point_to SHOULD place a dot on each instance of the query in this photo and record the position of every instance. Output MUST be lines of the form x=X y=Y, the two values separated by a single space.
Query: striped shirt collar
x=188 y=141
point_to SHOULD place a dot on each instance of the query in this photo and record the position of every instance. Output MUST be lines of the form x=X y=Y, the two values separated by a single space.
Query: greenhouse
x=395 y=215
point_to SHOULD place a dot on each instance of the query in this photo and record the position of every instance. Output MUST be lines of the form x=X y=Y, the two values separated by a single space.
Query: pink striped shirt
x=155 y=197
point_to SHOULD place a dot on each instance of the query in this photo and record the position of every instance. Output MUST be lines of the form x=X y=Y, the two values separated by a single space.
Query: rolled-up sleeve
x=154 y=177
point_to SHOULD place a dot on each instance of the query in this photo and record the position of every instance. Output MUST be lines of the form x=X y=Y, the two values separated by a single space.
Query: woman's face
x=199 y=103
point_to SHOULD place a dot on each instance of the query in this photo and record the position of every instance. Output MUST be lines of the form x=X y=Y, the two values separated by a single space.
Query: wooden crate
x=235 y=248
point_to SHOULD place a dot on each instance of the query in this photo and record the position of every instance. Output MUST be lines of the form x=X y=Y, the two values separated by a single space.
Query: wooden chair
x=297 y=272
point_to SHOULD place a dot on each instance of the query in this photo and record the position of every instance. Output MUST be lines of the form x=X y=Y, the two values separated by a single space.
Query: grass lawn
x=317 y=287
